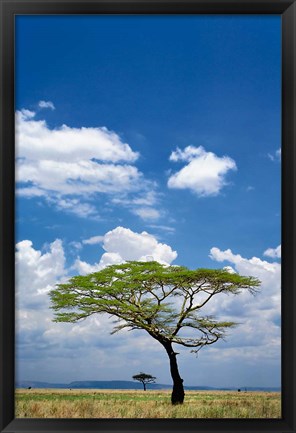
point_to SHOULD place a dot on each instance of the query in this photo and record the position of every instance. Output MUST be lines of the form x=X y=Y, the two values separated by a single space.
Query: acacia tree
x=164 y=301
x=144 y=379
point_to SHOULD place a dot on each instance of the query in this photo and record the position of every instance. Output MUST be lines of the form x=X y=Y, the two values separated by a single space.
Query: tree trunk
x=144 y=384
x=178 y=388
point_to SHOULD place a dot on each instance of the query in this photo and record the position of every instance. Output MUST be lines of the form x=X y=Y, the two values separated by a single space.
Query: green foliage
x=163 y=300
x=144 y=378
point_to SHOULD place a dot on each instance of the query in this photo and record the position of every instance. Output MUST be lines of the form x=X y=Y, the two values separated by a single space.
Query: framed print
x=147 y=216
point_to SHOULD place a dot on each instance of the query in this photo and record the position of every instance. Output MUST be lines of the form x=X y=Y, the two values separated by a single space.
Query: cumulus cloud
x=229 y=269
x=71 y=160
x=84 y=268
x=26 y=114
x=137 y=246
x=71 y=166
x=37 y=272
x=46 y=104
x=44 y=347
x=242 y=264
x=274 y=253
x=37 y=337
x=36 y=141
x=260 y=315
x=205 y=172
x=122 y=244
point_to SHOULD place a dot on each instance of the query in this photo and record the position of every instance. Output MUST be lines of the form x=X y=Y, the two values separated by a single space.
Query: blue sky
x=143 y=136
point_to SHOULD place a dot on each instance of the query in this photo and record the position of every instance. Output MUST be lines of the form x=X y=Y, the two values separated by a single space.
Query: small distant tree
x=164 y=301
x=144 y=379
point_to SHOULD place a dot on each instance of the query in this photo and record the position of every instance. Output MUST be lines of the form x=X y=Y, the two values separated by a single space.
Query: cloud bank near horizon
x=38 y=338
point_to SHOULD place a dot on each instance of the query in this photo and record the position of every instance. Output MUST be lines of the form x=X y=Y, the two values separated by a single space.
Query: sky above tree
x=140 y=138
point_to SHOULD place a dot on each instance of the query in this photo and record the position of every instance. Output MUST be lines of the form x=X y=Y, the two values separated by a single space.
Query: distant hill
x=125 y=384
x=114 y=384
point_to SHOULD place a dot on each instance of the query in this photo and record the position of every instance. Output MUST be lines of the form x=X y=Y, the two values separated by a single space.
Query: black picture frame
x=9 y=9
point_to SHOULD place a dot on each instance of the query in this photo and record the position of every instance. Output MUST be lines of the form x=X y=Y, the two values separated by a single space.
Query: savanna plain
x=94 y=403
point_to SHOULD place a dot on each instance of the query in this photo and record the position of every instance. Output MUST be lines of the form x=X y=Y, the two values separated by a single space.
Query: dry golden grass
x=65 y=403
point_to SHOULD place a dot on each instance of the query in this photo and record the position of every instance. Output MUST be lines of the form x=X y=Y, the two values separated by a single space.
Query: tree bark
x=178 y=388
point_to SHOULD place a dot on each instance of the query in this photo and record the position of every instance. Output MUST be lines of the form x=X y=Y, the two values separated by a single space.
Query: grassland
x=54 y=403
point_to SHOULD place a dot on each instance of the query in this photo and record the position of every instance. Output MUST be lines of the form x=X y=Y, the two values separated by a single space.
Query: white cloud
x=44 y=348
x=267 y=303
x=167 y=229
x=30 y=192
x=80 y=178
x=65 y=160
x=255 y=264
x=276 y=156
x=274 y=253
x=147 y=213
x=229 y=269
x=256 y=342
x=74 y=205
x=70 y=166
x=46 y=104
x=137 y=246
x=74 y=245
x=37 y=273
x=150 y=198
x=205 y=172
x=93 y=240
x=187 y=155
x=122 y=244
x=84 y=268
x=25 y=114
x=142 y=205
x=36 y=141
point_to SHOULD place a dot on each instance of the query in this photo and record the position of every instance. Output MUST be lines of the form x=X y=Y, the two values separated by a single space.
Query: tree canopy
x=144 y=379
